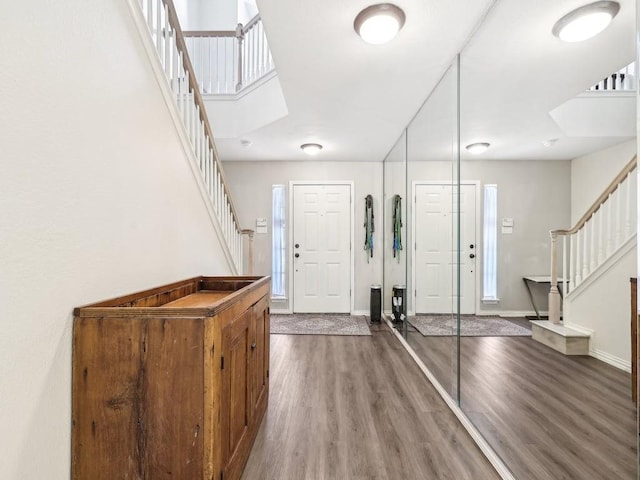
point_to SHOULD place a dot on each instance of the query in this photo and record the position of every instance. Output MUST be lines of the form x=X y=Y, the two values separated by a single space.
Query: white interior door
x=321 y=248
x=435 y=241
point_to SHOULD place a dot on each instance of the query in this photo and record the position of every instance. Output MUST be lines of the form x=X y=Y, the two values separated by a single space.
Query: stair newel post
x=240 y=37
x=554 y=294
x=249 y=233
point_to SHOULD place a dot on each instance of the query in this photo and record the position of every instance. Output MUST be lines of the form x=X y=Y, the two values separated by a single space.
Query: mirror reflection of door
x=321 y=248
x=436 y=248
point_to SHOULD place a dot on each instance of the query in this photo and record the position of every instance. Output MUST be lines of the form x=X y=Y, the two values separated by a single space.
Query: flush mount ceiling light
x=477 y=148
x=379 y=23
x=585 y=22
x=311 y=148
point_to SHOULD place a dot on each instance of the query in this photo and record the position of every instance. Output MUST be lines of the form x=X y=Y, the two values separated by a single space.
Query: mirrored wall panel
x=395 y=234
x=516 y=278
x=547 y=136
x=432 y=225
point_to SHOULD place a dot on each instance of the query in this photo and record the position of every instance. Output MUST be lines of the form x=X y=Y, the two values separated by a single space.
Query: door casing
x=477 y=184
x=290 y=286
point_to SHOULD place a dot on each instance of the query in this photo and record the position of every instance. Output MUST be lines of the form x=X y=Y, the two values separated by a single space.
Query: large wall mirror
x=556 y=128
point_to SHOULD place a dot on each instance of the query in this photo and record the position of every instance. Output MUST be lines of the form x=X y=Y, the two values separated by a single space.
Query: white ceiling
x=355 y=99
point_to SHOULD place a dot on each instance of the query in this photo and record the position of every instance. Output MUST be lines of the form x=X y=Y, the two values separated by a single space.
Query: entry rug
x=319 y=324
x=470 y=326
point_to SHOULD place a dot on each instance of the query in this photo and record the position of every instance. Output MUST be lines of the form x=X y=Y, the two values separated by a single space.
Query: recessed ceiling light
x=477 y=148
x=585 y=22
x=550 y=143
x=379 y=23
x=311 y=148
x=245 y=143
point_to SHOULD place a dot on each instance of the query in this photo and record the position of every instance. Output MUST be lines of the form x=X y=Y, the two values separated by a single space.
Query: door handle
x=297 y=255
x=297 y=245
x=471 y=255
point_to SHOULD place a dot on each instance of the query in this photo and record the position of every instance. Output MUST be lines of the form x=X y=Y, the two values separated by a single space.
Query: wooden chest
x=171 y=382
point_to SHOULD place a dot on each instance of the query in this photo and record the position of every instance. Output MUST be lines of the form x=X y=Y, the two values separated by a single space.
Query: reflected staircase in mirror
x=593 y=259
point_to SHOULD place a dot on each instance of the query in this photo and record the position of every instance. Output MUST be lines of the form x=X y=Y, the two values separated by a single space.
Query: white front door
x=435 y=241
x=321 y=248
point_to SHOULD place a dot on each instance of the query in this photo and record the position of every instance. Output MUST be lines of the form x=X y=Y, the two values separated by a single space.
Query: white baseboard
x=511 y=313
x=366 y=313
x=279 y=311
x=611 y=360
x=601 y=355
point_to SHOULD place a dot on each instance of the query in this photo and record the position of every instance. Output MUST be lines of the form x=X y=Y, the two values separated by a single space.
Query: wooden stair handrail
x=182 y=47
x=209 y=33
x=613 y=186
x=223 y=33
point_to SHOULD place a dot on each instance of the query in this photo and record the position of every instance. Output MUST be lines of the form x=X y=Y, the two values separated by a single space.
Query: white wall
x=251 y=182
x=536 y=195
x=96 y=200
x=591 y=174
x=207 y=14
x=603 y=308
x=247 y=9
x=395 y=183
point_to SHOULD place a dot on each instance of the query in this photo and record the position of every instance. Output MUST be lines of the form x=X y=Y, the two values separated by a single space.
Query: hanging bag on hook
x=368 y=226
x=397 y=226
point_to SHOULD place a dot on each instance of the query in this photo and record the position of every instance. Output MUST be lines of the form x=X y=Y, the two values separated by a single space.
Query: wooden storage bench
x=171 y=382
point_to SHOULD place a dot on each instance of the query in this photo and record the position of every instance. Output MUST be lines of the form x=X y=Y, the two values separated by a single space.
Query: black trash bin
x=399 y=303
x=375 y=303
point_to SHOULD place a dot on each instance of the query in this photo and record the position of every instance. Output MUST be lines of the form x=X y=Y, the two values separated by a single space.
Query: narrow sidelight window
x=278 y=244
x=490 y=244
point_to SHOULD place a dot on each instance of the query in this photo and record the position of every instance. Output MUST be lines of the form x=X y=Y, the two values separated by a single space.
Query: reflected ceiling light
x=585 y=22
x=311 y=148
x=477 y=148
x=379 y=23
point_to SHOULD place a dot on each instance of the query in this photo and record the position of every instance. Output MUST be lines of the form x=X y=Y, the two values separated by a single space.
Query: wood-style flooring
x=547 y=415
x=355 y=408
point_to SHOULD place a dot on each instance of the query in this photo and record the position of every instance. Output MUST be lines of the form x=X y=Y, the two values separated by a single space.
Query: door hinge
x=267 y=373
x=221 y=363
x=221 y=475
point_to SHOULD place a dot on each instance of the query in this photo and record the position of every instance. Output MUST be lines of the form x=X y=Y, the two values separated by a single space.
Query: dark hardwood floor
x=547 y=415
x=357 y=408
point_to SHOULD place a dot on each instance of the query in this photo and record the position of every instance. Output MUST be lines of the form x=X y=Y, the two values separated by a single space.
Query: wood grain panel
x=235 y=394
x=547 y=415
x=357 y=408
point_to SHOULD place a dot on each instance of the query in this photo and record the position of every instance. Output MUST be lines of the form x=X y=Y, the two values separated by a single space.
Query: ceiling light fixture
x=379 y=23
x=585 y=22
x=477 y=148
x=311 y=148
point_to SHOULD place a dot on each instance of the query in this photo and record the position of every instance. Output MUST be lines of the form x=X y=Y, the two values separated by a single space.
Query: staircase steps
x=560 y=338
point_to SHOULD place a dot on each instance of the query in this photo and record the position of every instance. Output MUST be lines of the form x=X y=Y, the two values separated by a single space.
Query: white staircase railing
x=164 y=28
x=622 y=80
x=227 y=61
x=607 y=226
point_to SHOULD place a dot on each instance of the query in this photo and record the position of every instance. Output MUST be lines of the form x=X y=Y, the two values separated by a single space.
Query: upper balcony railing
x=622 y=80
x=227 y=61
